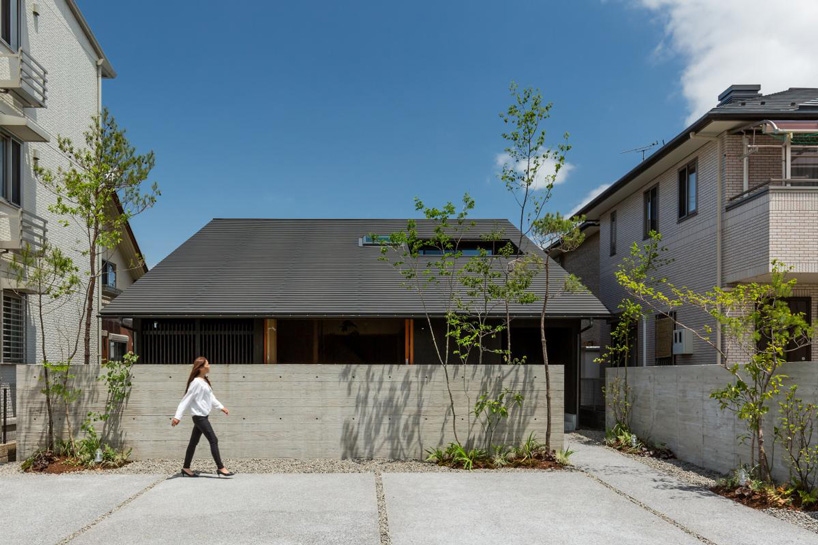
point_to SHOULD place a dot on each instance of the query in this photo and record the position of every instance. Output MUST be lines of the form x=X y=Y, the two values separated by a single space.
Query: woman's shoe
x=228 y=474
x=191 y=474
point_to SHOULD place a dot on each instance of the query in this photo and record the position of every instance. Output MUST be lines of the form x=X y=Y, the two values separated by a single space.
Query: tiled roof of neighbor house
x=749 y=105
x=313 y=267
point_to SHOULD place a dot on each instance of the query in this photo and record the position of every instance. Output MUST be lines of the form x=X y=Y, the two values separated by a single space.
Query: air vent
x=737 y=93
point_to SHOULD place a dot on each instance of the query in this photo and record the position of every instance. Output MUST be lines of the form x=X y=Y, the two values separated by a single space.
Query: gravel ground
x=278 y=465
x=695 y=475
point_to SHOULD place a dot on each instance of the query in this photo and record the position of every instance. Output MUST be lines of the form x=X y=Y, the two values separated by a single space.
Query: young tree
x=529 y=172
x=437 y=272
x=100 y=191
x=759 y=328
x=554 y=233
x=52 y=277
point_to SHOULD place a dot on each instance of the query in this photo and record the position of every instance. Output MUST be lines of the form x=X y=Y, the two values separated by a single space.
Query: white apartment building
x=51 y=75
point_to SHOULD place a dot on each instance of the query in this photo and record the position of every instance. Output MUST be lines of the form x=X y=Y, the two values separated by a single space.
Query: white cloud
x=591 y=195
x=738 y=41
x=546 y=169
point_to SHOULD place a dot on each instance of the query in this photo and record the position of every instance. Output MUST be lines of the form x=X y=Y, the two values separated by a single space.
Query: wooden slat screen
x=180 y=341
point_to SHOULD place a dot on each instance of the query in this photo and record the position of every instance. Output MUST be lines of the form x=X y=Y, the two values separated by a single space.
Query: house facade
x=734 y=191
x=244 y=291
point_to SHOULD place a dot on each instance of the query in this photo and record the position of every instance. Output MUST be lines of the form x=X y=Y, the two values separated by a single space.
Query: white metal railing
x=26 y=78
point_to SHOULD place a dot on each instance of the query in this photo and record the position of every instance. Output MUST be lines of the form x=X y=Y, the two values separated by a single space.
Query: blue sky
x=352 y=109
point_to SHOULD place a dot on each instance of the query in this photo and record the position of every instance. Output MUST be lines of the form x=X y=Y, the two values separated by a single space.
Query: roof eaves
x=107 y=69
x=716 y=114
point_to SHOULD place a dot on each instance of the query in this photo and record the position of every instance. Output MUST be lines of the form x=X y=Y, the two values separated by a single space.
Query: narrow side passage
x=708 y=516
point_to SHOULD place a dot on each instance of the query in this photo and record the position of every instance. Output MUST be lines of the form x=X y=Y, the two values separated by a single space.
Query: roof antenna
x=643 y=149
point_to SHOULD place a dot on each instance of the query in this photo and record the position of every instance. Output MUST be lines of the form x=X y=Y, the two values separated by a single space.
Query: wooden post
x=411 y=341
x=270 y=340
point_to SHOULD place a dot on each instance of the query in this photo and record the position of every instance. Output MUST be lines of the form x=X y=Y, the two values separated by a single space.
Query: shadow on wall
x=400 y=411
x=91 y=396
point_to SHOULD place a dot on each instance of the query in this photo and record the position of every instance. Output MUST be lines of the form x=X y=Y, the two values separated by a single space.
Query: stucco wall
x=306 y=411
x=672 y=405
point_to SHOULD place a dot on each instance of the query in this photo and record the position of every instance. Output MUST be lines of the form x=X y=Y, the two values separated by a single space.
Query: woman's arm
x=192 y=390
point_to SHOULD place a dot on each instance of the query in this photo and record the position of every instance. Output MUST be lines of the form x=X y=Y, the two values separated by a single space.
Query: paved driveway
x=614 y=499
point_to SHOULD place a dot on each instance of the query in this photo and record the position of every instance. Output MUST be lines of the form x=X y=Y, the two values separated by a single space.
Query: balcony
x=24 y=77
x=19 y=228
x=775 y=220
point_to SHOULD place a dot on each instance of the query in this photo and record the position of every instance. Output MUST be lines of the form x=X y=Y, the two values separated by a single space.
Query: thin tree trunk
x=545 y=360
x=508 y=332
x=92 y=282
x=49 y=410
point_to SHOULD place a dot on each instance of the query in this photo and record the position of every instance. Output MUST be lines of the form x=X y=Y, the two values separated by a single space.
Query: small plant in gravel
x=622 y=439
x=529 y=454
x=745 y=486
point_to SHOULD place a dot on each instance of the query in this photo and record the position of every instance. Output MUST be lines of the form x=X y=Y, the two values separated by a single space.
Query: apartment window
x=613 y=233
x=651 y=211
x=14 y=341
x=10 y=23
x=108 y=274
x=688 y=190
x=804 y=163
x=10 y=169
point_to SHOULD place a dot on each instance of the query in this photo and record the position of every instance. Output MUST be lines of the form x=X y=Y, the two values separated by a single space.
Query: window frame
x=105 y=274
x=683 y=182
x=14 y=20
x=8 y=295
x=654 y=203
x=612 y=228
x=9 y=179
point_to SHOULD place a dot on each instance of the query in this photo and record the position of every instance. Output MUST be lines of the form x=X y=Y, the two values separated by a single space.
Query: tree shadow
x=401 y=411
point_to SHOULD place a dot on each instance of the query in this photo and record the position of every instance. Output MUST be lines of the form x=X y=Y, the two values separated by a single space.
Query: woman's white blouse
x=199 y=399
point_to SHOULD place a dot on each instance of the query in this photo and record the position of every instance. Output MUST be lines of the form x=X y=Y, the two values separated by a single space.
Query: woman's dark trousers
x=201 y=425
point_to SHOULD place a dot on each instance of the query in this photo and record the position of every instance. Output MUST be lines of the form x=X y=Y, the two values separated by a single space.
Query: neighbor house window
x=10 y=169
x=613 y=233
x=109 y=274
x=651 y=211
x=804 y=163
x=688 y=190
x=10 y=23
x=14 y=340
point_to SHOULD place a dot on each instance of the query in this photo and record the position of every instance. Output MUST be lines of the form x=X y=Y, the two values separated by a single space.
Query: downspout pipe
x=719 y=223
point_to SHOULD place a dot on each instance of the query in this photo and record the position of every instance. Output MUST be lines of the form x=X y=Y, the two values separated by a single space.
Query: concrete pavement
x=709 y=515
x=612 y=499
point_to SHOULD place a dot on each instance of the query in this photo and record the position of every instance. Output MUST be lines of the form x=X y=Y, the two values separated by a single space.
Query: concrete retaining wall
x=672 y=405
x=304 y=411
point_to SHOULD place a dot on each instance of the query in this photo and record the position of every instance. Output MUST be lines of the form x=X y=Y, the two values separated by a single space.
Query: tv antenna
x=643 y=149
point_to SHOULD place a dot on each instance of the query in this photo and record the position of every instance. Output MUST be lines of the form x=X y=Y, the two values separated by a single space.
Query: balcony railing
x=764 y=186
x=19 y=228
x=25 y=78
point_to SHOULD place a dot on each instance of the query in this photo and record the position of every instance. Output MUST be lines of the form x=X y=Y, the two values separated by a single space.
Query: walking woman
x=200 y=400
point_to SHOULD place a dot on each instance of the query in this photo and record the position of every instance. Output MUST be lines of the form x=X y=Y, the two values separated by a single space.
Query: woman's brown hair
x=198 y=363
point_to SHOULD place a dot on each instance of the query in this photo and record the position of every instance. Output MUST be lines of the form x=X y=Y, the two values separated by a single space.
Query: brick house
x=735 y=190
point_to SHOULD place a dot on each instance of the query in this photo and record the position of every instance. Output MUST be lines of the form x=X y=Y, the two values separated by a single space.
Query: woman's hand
x=174 y=422
x=225 y=411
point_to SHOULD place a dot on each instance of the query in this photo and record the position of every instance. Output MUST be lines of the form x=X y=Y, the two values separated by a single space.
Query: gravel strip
x=277 y=465
x=696 y=476
x=383 y=520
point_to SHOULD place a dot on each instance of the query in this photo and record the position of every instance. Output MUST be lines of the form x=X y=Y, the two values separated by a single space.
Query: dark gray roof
x=794 y=103
x=309 y=267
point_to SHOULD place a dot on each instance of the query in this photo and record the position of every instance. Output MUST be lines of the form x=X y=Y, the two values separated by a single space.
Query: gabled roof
x=794 y=103
x=310 y=268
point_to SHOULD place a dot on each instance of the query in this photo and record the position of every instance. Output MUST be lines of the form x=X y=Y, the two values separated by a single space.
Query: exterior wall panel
x=307 y=411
